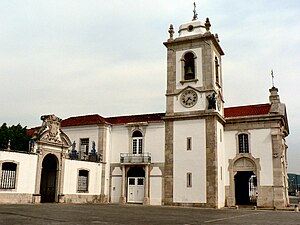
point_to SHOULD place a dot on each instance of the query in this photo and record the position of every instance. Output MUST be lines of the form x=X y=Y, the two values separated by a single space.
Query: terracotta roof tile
x=247 y=110
x=96 y=119
x=83 y=120
x=156 y=117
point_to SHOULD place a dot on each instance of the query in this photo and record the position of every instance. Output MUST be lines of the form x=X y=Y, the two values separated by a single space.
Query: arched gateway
x=244 y=173
x=49 y=178
x=51 y=144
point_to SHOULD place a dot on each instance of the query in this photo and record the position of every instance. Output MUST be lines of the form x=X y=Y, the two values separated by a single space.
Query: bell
x=189 y=71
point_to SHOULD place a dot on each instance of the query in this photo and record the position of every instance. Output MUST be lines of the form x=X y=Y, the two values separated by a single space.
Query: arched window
x=217 y=65
x=243 y=143
x=137 y=142
x=83 y=181
x=8 y=176
x=189 y=66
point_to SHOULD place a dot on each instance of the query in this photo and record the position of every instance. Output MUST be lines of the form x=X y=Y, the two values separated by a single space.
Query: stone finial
x=74 y=146
x=195 y=17
x=207 y=25
x=274 y=97
x=217 y=37
x=171 y=32
x=93 y=151
x=8 y=145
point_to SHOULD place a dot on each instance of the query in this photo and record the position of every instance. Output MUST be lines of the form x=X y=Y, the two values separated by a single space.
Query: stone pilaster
x=168 y=171
x=102 y=144
x=211 y=162
x=280 y=200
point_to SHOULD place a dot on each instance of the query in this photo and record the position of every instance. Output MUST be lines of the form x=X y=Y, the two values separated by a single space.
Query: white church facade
x=196 y=153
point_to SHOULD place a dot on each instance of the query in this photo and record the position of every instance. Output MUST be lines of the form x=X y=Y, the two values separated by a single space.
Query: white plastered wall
x=154 y=143
x=26 y=171
x=192 y=161
x=155 y=186
x=77 y=133
x=72 y=168
x=116 y=185
x=260 y=143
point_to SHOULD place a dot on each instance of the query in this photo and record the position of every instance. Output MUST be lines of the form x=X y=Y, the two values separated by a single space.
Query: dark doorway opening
x=245 y=188
x=136 y=172
x=48 y=178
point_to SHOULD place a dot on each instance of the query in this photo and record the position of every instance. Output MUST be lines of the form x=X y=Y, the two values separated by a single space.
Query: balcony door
x=137 y=142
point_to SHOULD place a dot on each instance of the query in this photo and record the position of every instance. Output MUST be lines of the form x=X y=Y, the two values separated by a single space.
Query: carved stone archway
x=48 y=141
x=243 y=162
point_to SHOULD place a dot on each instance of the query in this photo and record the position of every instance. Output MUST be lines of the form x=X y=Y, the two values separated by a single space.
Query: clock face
x=188 y=98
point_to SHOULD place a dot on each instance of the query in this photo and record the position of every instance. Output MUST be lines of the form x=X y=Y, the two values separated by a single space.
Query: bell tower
x=194 y=116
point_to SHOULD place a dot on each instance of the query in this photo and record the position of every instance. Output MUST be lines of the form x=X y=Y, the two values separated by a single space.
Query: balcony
x=129 y=158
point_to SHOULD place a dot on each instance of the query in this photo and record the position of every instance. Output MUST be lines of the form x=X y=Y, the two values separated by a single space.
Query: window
x=83 y=181
x=189 y=143
x=217 y=65
x=8 y=176
x=137 y=142
x=243 y=143
x=189 y=179
x=84 y=145
x=189 y=66
x=140 y=181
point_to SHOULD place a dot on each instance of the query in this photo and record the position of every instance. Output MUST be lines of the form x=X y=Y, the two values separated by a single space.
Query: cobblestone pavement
x=68 y=214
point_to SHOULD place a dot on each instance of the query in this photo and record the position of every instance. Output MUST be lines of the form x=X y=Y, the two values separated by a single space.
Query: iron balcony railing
x=135 y=158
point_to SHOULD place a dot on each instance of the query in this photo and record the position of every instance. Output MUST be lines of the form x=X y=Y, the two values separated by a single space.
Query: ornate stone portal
x=50 y=141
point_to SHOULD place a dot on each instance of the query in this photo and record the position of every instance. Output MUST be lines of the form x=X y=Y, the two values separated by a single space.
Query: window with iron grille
x=83 y=181
x=243 y=143
x=8 y=176
x=84 y=145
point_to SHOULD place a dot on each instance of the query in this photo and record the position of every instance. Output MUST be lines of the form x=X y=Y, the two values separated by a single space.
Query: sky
x=78 y=57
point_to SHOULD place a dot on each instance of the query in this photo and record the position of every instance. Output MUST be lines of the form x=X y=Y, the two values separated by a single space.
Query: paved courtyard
x=59 y=214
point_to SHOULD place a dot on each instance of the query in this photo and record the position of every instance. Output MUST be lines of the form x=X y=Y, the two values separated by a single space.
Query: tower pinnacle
x=195 y=17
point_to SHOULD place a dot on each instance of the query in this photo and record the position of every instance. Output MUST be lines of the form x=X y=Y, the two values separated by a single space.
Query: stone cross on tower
x=272 y=75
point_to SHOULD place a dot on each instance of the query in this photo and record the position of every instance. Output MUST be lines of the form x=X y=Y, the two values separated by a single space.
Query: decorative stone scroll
x=50 y=128
x=50 y=131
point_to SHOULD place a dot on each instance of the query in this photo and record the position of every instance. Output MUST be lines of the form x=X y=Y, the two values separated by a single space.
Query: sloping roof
x=32 y=130
x=96 y=119
x=156 y=117
x=247 y=110
x=237 y=111
x=83 y=120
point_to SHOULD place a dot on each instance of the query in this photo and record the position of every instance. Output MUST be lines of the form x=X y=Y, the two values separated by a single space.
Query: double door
x=136 y=189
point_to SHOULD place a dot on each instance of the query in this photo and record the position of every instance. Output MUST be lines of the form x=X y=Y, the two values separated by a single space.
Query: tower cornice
x=196 y=38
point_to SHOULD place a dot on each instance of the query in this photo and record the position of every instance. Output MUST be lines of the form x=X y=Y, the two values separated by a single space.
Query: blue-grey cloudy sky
x=75 y=57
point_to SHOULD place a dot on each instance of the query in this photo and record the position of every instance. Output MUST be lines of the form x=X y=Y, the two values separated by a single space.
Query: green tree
x=4 y=136
x=17 y=135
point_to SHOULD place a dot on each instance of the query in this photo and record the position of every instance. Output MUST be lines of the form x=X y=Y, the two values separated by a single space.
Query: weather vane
x=195 y=13
x=272 y=78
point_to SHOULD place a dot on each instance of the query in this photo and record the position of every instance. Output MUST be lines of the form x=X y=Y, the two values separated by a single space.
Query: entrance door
x=245 y=188
x=48 y=178
x=135 y=189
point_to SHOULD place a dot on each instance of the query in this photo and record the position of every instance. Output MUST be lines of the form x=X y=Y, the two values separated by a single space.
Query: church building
x=196 y=153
